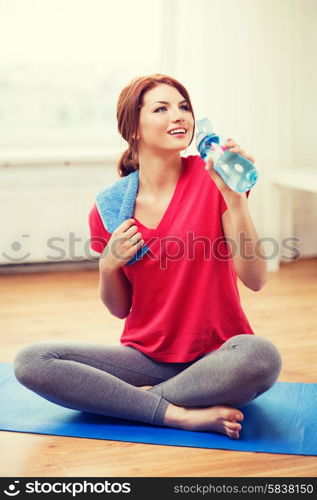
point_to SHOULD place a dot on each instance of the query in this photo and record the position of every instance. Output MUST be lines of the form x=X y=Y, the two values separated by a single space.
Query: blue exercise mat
x=282 y=420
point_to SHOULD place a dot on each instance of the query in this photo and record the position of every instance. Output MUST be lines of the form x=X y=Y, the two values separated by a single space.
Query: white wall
x=305 y=112
x=251 y=66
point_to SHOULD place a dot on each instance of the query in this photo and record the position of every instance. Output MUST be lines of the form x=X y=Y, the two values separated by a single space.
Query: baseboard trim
x=49 y=267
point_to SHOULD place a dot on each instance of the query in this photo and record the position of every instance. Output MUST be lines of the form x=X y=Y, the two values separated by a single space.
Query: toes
x=232 y=413
x=233 y=430
x=234 y=426
x=234 y=435
x=239 y=416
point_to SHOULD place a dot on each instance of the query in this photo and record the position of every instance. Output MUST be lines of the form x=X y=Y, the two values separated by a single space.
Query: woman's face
x=163 y=110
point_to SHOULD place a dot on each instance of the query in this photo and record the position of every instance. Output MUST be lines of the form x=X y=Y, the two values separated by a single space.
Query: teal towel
x=116 y=203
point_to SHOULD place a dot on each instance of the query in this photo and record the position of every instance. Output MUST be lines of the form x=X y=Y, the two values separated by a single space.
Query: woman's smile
x=179 y=132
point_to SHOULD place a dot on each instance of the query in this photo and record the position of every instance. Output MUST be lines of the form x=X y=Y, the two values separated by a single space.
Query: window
x=63 y=64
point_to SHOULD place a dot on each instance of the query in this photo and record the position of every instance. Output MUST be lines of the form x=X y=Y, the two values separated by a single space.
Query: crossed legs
x=199 y=395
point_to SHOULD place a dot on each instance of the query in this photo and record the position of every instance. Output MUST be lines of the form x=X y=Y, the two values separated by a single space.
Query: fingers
x=215 y=176
x=135 y=238
x=236 y=148
x=132 y=235
x=131 y=231
x=129 y=236
x=209 y=164
x=128 y=228
x=125 y=225
x=230 y=142
x=139 y=244
x=124 y=243
x=249 y=157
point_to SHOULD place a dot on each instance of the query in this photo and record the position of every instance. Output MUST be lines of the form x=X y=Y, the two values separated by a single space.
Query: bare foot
x=221 y=419
x=145 y=387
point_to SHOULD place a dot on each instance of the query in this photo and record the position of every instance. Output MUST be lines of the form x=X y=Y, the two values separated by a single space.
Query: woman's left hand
x=227 y=193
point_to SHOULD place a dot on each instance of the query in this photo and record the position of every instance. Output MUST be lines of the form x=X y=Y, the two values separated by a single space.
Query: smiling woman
x=188 y=356
x=156 y=123
x=141 y=118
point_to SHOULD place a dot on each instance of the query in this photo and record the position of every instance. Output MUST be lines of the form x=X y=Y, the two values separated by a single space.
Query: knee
x=27 y=363
x=267 y=360
x=262 y=359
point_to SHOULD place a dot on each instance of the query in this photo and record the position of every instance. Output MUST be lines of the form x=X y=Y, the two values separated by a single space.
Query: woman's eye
x=184 y=107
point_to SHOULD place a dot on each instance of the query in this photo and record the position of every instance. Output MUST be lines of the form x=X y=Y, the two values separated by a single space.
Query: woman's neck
x=158 y=174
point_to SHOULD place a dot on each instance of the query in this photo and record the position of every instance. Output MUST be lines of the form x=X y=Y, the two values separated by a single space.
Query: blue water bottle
x=236 y=171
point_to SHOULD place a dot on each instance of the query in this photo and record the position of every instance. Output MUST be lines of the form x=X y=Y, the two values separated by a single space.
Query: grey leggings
x=104 y=379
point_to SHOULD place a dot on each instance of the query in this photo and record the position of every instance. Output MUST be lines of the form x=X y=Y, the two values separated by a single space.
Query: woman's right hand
x=122 y=246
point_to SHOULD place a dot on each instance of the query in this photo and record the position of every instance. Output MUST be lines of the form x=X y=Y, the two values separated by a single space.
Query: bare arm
x=114 y=288
x=247 y=253
x=115 y=291
x=238 y=228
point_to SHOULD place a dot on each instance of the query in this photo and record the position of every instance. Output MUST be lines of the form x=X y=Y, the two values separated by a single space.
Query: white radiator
x=44 y=210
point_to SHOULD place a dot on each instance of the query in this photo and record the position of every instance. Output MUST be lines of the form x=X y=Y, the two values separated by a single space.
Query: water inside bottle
x=237 y=172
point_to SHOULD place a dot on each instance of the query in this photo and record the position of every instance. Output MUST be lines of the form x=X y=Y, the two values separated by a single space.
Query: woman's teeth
x=177 y=131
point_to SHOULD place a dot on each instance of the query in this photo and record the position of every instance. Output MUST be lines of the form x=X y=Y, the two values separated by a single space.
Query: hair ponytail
x=128 y=162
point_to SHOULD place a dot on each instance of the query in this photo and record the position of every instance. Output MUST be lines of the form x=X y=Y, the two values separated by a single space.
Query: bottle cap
x=204 y=125
x=204 y=128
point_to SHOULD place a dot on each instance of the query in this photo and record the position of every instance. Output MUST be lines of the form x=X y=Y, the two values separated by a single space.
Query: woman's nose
x=176 y=115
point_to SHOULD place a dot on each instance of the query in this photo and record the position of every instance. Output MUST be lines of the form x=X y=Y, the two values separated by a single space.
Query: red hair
x=128 y=111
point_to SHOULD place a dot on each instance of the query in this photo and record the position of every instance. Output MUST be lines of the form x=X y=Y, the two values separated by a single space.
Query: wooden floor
x=66 y=306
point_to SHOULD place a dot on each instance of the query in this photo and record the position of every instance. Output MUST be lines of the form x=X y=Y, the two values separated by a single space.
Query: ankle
x=174 y=416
